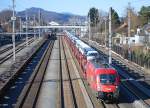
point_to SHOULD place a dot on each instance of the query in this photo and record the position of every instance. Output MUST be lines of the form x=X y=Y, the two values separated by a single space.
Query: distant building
x=52 y=23
x=133 y=41
x=136 y=40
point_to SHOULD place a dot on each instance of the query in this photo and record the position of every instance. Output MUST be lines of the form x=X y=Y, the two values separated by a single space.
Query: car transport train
x=103 y=79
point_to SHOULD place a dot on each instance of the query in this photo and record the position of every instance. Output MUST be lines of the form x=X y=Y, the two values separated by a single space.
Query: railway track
x=14 y=86
x=15 y=68
x=10 y=47
x=9 y=55
x=6 y=49
x=94 y=101
x=67 y=94
x=130 y=83
x=30 y=93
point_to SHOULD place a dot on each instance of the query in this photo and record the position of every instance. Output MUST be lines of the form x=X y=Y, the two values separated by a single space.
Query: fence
x=137 y=57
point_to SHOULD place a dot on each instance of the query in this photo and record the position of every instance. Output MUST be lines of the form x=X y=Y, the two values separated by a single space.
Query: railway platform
x=48 y=95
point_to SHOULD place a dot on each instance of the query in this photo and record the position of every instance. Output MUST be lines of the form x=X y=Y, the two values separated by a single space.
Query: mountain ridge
x=49 y=16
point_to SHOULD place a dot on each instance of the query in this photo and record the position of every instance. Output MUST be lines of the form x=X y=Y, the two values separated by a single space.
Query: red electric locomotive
x=103 y=79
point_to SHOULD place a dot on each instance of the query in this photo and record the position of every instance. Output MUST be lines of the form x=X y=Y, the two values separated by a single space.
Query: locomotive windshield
x=107 y=78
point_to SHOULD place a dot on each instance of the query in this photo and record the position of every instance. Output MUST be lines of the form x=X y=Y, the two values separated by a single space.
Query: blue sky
x=80 y=7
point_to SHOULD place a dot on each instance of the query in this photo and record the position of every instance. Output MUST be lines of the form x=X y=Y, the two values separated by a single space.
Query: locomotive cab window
x=107 y=78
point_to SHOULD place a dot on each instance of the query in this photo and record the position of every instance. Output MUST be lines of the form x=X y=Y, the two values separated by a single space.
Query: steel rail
x=30 y=93
x=70 y=80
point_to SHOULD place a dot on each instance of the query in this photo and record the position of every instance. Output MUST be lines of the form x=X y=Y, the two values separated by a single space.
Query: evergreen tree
x=115 y=19
x=144 y=14
x=94 y=16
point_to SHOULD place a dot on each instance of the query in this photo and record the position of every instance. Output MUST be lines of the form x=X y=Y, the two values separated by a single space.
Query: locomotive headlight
x=98 y=88
x=116 y=93
x=116 y=87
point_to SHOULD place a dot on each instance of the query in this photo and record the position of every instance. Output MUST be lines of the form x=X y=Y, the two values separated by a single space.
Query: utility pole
x=34 y=28
x=26 y=28
x=129 y=29
x=95 y=26
x=129 y=20
x=13 y=18
x=105 y=31
x=89 y=23
x=39 y=23
x=110 y=35
x=20 y=27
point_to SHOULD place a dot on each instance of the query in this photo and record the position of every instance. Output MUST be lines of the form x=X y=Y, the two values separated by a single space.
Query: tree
x=144 y=14
x=134 y=19
x=94 y=16
x=115 y=19
x=5 y=17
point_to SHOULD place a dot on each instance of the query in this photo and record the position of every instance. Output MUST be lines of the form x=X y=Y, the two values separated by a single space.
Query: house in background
x=53 y=23
x=135 y=40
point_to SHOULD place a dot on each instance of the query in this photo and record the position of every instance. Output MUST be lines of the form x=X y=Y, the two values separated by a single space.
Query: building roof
x=147 y=27
x=53 y=23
